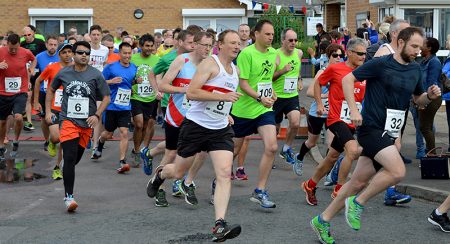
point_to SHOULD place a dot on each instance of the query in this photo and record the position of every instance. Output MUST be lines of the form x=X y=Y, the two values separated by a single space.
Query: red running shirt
x=14 y=79
x=334 y=75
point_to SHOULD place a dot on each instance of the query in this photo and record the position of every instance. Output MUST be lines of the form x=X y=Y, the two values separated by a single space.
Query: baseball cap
x=64 y=46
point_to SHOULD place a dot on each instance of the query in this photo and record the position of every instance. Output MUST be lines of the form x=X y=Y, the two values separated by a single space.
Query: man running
x=144 y=104
x=439 y=216
x=82 y=85
x=13 y=88
x=252 y=113
x=52 y=111
x=120 y=76
x=391 y=80
x=206 y=128
x=287 y=81
x=338 y=120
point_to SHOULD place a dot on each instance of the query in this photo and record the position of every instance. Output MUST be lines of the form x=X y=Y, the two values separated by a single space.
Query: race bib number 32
x=394 y=122
x=78 y=107
x=13 y=84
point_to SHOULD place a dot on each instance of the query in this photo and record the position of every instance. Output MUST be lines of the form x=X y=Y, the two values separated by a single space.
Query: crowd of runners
x=214 y=90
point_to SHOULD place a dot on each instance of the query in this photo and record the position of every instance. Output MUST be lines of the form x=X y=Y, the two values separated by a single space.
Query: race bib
x=218 y=109
x=394 y=122
x=145 y=90
x=58 y=98
x=122 y=97
x=13 y=84
x=45 y=85
x=326 y=105
x=185 y=103
x=290 y=85
x=265 y=89
x=78 y=107
x=345 y=111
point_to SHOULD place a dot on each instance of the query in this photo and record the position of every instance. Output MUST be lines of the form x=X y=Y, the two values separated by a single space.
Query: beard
x=407 y=58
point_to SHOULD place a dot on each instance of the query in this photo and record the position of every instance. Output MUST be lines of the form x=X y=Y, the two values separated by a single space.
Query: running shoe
x=154 y=183
x=123 y=167
x=96 y=154
x=2 y=153
x=176 y=192
x=52 y=149
x=353 y=212
x=240 y=174
x=328 y=181
x=147 y=165
x=263 y=199
x=310 y=194
x=136 y=156
x=57 y=173
x=213 y=189
x=322 y=230
x=222 y=231
x=189 y=193
x=288 y=155
x=159 y=120
x=160 y=199
x=442 y=221
x=393 y=197
x=46 y=145
x=297 y=167
x=15 y=148
x=28 y=126
x=332 y=177
x=71 y=205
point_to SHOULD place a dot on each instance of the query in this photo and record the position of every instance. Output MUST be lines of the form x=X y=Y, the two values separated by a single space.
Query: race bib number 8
x=218 y=109
x=265 y=89
x=58 y=98
x=394 y=122
x=122 y=97
x=145 y=90
x=290 y=85
x=78 y=107
x=345 y=111
x=13 y=84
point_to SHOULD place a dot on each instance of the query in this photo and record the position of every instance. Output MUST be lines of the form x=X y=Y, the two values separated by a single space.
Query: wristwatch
x=258 y=99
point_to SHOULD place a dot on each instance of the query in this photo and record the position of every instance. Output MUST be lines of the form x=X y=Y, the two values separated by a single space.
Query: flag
x=265 y=6
x=253 y=4
x=278 y=8
x=291 y=9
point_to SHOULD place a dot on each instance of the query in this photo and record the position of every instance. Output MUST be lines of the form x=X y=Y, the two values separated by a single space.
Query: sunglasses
x=26 y=34
x=80 y=52
x=110 y=47
x=335 y=55
x=168 y=46
x=359 y=53
x=292 y=40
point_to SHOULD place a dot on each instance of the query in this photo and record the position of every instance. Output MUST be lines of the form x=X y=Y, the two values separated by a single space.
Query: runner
x=439 y=216
x=206 y=127
x=143 y=98
x=175 y=82
x=252 y=113
x=13 y=88
x=388 y=100
x=82 y=85
x=338 y=120
x=43 y=59
x=54 y=108
x=120 y=76
x=335 y=54
x=287 y=82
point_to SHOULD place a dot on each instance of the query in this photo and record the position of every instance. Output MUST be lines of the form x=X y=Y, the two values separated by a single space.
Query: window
x=422 y=17
x=204 y=23
x=218 y=25
x=218 y=19
x=360 y=19
x=56 y=21
x=444 y=32
x=224 y=24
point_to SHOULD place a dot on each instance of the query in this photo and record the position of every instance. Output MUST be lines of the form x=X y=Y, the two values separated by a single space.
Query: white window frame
x=61 y=15
x=212 y=15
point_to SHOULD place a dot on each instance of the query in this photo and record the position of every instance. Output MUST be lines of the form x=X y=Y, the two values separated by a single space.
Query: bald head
x=28 y=33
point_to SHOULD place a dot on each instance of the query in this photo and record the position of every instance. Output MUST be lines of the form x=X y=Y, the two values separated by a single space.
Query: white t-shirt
x=98 y=57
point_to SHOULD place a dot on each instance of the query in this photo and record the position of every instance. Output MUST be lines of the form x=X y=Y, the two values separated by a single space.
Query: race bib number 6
x=345 y=111
x=78 y=107
x=394 y=122
x=265 y=89
x=13 y=84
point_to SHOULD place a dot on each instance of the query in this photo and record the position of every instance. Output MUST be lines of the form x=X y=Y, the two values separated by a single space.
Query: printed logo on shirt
x=293 y=64
x=78 y=89
x=267 y=67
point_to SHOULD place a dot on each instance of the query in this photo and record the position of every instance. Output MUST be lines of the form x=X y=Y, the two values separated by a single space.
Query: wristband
x=258 y=99
x=96 y=115
x=428 y=97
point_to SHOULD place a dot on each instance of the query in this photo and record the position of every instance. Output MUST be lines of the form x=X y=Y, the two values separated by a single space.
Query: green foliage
x=303 y=45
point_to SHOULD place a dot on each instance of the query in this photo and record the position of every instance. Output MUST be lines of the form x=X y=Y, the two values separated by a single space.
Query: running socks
x=100 y=145
x=303 y=150
x=311 y=183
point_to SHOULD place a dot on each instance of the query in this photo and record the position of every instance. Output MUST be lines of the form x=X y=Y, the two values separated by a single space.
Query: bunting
x=266 y=6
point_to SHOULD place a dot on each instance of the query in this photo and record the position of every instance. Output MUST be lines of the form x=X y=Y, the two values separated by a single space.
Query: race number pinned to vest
x=345 y=111
x=45 y=85
x=122 y=97
x=218 y=109
x=326 y=104
x=185 y=103
x=145 y=89
x=78 y=107
x=13 y=84
x=290 y=84
x=394 y=122
x=265 y=89
x=58 y=98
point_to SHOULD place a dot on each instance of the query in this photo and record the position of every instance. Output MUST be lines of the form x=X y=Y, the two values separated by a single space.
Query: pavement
x=115 y=208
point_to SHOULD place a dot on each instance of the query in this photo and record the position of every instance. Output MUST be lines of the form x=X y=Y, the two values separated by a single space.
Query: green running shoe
x=353 y=212
x=51 y=148
x=57 y=173
x=322 y=231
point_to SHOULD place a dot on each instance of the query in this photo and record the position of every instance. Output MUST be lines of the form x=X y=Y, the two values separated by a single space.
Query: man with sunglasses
x=108 y=42
x=144 y=104
x=13 y=88
x=82 y=86
x=287 y=81
x=338 y=120
x=166 y=47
